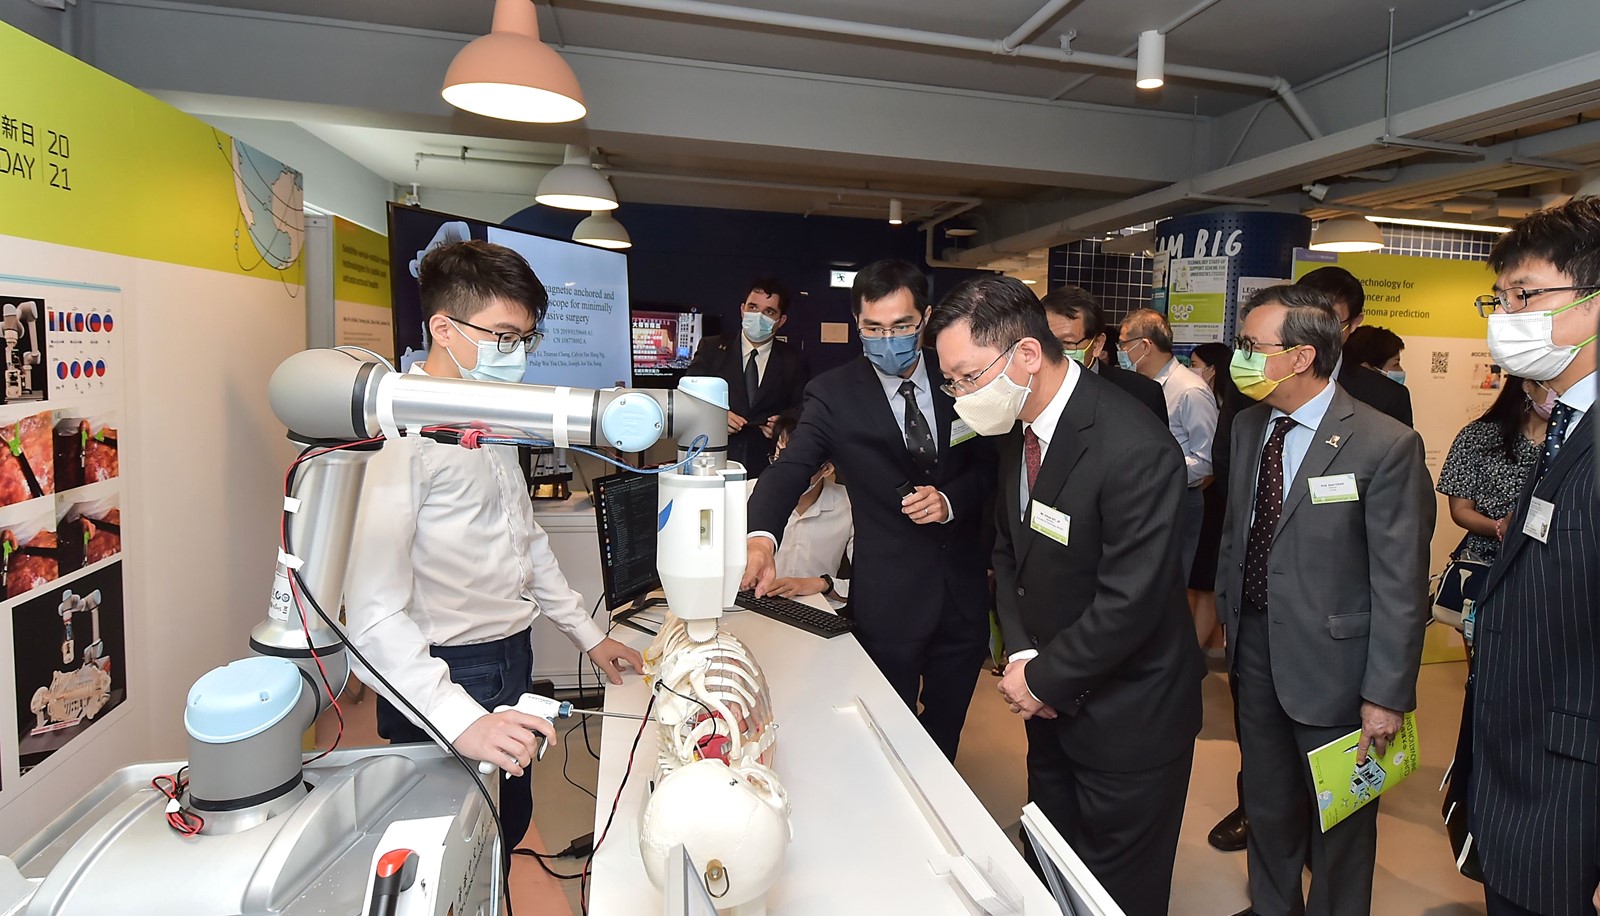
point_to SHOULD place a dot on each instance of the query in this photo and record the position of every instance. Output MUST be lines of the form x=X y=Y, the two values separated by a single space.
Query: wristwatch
x=827 y=586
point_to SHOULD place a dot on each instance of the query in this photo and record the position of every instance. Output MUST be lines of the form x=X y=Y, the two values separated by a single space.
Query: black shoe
x=1247 y=911
x=1231 y=834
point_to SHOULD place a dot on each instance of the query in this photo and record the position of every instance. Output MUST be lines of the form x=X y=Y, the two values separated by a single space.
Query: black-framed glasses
x=1249 y=347
x=969 y=383
x=1515 y=299
x=899 y=330
x=507 y=341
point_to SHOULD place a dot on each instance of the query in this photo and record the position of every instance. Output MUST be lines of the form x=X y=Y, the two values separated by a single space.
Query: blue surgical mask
x=1397 y=375
x=891 y=355
x=1124 y=362
x=758 y=327
x=492 y=366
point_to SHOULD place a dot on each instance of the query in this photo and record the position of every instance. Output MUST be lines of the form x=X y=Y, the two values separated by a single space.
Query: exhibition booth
x=199 y=360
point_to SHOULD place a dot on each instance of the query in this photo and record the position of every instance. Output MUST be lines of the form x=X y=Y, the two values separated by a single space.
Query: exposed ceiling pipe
x=930 y=228
x=1471 y=16
x=1194 y=11
x=1036 y=22
x=845 y=191
x=895 y=34
x=464 y=156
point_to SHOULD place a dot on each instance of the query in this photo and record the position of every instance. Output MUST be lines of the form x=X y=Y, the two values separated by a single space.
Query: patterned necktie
x=1269 y=506
x=1032 y=456
x=1560 y=421
x=752 y=378
x=919 y=440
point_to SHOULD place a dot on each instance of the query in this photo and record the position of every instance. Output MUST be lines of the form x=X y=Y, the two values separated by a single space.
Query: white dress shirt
x=763 y=352
x=446 y=552
x=1299 y=438
x=1580 y=396
x=816 y=540
x=897 y=406
x=1191 y=416
x=1044 y=427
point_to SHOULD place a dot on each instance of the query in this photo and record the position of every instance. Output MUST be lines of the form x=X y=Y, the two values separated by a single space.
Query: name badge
x=960 y=432
x=1537 y=524
x=1052 y=523
x=1335 y=488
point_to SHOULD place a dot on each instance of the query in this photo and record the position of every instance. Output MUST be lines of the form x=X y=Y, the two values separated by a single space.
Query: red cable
x=583 y=885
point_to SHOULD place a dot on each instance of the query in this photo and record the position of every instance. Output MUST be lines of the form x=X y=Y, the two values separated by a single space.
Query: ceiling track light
x=1152 y=60
x=510 y=74
x=602 y=230
x=896 y=216
x=575 y=185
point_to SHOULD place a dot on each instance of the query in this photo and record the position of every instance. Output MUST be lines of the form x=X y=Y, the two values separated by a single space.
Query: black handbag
x=1456 y=787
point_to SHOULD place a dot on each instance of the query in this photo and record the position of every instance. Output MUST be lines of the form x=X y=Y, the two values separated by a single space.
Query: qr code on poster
x=1440 y=363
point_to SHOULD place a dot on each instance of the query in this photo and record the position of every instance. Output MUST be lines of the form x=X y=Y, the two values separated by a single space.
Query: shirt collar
x=416 y=369
x=1044 y=425
x=1172 y=363
x=1580 y=396
x=1337 y=366
x=1311 y=412
x=745 y=346
x=891 y=383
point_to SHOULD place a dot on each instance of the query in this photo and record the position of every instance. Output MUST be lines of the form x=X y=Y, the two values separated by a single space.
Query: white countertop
x=862 y=843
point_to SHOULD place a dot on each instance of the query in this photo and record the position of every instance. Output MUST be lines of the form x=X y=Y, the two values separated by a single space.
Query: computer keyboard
x=796 y=614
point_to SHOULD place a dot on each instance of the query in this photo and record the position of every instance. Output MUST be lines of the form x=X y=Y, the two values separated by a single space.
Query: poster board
x=363 y=314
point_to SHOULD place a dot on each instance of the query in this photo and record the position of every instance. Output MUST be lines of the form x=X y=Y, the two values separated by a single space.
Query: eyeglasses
x=899 y=330
x=969 y=383
x=1081 y=344
x=1487 y=305
x=1248 y=347
x=507 y=341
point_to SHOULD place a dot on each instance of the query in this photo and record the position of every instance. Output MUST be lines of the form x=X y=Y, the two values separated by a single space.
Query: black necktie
x=1269 y=506
x=919 y=439
x=1560 y=421
x=752 y=379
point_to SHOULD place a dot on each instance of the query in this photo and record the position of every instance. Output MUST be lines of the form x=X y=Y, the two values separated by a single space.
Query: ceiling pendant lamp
x=575 y=185
x=1346 y=233
x=602 y=230
x=511 y=74
x=896 y=215
x=1152 y=60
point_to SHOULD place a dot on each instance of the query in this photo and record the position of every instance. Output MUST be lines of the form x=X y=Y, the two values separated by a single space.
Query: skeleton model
x=17 y=321
x=80 y=694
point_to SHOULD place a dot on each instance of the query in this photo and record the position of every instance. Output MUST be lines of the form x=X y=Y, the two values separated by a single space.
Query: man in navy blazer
x=1535 y=801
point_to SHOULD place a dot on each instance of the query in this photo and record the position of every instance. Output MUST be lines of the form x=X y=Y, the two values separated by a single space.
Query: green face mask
x=1080 y=355
x=1250 y=373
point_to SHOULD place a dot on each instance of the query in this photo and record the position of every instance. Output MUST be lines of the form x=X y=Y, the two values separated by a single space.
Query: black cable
x=711 y=714
x=583 y=885
x=566 y=758
x=469 y=766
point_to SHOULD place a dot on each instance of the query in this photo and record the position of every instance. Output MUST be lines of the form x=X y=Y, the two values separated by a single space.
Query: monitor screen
x=663 y=345
x=586 y=333
x=625 y=518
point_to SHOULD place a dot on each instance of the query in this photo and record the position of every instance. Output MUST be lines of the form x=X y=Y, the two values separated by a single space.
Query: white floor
x=1415 y=875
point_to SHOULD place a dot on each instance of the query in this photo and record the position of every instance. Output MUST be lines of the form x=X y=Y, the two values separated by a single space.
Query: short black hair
x=1567 y=236
x=1151 y=325
x=1372 y=346
x=1339 y=284
x=1074 y=302
x=461 y=279
x=882 y=278
x=1001 y=311
x=1310 y=322
x=770 y=286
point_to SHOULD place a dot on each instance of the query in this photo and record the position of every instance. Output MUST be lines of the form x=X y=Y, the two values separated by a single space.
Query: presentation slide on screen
x=587 y=340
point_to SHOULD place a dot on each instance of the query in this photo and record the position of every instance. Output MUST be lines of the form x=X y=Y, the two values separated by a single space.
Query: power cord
x=588 y=863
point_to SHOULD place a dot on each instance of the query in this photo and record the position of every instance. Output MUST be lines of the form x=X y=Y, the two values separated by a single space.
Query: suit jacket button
x=1021 y=591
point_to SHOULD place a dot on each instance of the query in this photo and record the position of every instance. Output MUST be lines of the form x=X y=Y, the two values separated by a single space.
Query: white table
x=861 y=842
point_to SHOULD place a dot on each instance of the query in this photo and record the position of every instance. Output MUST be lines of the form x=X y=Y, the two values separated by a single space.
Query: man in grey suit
x=1535 y=699
x=1322 y=586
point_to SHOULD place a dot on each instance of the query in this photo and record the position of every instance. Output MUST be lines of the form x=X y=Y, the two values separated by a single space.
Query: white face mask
x=1522 y=343
x=994 y=408
x=492 y=365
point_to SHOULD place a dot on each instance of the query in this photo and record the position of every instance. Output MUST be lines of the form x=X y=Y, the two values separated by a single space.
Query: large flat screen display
x=587 y=338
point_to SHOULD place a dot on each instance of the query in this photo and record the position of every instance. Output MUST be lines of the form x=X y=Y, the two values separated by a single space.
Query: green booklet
x=1343 y=787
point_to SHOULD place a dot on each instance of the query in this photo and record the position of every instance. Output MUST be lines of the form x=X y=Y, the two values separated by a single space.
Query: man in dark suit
x=1325 y=545
x=1535 y=801
x=1079 y=323
x=765 y=376
x=1103 y=662
x=919 y=592
x=1349 y=300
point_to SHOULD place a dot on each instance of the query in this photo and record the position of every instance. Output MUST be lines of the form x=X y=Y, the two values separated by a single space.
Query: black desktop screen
x=625 y=517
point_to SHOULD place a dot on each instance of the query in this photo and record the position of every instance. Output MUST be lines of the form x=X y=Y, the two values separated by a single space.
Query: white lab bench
x=571 y=527
x=863 y=841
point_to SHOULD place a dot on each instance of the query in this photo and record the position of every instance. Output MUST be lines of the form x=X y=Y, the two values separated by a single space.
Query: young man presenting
x=447 y=567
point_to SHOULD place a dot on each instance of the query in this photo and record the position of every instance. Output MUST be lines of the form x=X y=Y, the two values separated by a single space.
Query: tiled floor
x=1415 y=872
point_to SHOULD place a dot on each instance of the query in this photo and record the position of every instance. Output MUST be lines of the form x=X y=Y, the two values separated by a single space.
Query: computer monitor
x=625 y=519
x=664 y=343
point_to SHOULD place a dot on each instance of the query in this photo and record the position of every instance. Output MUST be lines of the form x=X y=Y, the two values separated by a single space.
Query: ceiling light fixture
x=1152 y=60
x=1346 y=233
x=575 y=185
x=1436 y=224
x=960 y=232
x=896 y=217
x=602 y=230
x=510 y=74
